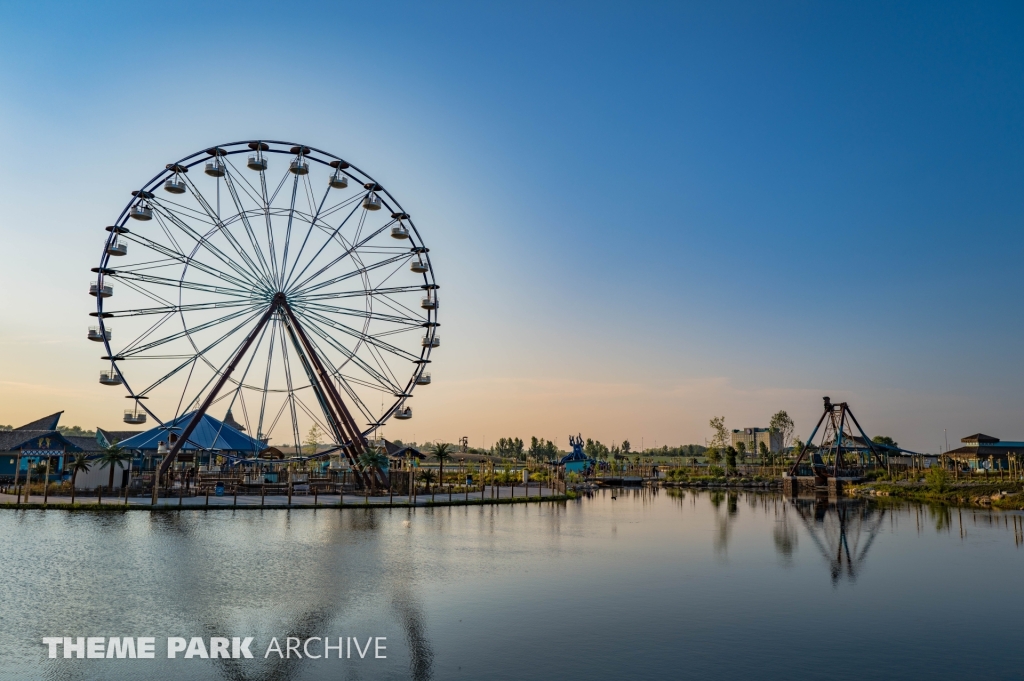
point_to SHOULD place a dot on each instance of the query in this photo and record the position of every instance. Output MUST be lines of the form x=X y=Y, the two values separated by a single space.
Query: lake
x=653 y=584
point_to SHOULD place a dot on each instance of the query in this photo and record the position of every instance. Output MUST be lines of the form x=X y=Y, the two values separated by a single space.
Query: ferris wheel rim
x=241 y=147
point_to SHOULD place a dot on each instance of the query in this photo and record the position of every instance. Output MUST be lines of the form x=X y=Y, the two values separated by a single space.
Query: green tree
x=782 y=424
x=626 y=447
x=370 y=462
x=442 y=452
x=713 y=454
x=313 y=439
x=741 y=450
x=113 y=457
x=80 y=464
x=721 y=437
x=762 y=449
x=76 y=431
x=730 y=459
x=885 y=440
x=536 y=448
x=428 y=477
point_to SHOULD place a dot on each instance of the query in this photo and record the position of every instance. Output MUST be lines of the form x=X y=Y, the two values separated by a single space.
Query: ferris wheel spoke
x=411 y=322
x=381 y=379
x=358 y=335
x=244 y=218
x=336 y=374
x=302 y=247
x=189 y=331
x=393 y=304
x=186 y=260
x=147 y=333
x=403 y=257
x=220 y=228
x=121 y=275
x=207 y=245
x=288 y=234
x=363 y=292
x=178 y=308
x=292 y=277
x=266 y=380
x=334 y=262
x=197 y=355
x=356 y=198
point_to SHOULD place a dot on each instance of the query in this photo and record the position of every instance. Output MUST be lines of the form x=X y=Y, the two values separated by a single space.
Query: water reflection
x=843 y=530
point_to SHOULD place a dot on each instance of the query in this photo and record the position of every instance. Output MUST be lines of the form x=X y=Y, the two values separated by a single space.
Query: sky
x=641 y=215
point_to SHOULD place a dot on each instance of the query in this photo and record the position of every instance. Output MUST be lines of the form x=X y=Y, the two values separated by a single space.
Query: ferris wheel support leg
x=342 y=411
x=198 y=415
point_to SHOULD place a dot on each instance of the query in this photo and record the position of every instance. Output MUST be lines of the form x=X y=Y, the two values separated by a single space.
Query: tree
x=721 y=436
x=428 y=477
x=370 y=461
x=80 y=464
x=550 y=450
x=730 y=459
x=762 y=449
x=313 y=438
x=626 y=447
x=442 y=451
x=713 y=454
x=536 y=448
x=6 y=429
x=76 y=431
x=112 y=457
x=885 y=440
x=782 y=424
x=741 y=450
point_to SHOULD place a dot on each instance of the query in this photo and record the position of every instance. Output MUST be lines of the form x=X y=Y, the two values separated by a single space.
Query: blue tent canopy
x=208 y=434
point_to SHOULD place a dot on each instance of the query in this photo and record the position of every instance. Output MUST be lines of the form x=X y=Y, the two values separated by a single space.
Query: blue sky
x=641 y=215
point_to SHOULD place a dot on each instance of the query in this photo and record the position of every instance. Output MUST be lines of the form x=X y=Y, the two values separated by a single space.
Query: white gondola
x=104 y=291
x=429 y=303
x=215 y=168
x=134 y=417
x=257 y=163
x=372 y=202
x=430 y=341
x=175 y=185
x=403 y=413
x=419 y=267
x=399 y=231
x=299 y=166
x=110 y=377
x=339 y=180
x=423 y=379
x=141 y=211
x=117 y=248
x=99 y=336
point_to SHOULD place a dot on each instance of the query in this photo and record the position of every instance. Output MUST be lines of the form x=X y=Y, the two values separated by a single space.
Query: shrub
x=937 y=479
x=716 y=471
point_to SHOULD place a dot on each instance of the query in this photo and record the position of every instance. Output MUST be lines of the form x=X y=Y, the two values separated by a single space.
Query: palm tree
x=80 y=464
x=113 y=456
x=427 y=476
x=442 y=452
x=371 y=461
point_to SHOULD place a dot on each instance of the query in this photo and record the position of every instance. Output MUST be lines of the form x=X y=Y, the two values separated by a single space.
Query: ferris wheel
x=272 y=281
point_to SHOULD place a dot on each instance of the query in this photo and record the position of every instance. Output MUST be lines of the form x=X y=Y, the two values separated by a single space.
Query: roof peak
x=46 y=423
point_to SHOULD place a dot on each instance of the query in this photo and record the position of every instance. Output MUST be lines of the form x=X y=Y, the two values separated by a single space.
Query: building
x=210 y=438
x=983 y=452
x=34 y=443
x=753 y=437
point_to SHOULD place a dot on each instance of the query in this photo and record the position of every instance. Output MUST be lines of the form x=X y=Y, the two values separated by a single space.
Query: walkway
x=305 y=500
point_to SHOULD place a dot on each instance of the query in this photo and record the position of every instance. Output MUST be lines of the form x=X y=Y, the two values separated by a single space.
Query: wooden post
x=263 y=494
x=46 y=483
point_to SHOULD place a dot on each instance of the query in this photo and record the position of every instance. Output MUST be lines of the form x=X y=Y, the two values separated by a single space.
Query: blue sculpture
x=577 y=461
